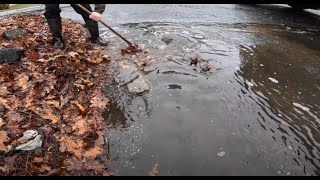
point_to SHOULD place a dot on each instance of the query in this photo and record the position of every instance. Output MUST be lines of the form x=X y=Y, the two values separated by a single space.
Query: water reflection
x=284 y=82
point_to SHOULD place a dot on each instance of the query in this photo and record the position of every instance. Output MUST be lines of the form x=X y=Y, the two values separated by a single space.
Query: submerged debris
x=194 y=61
x=131 y=50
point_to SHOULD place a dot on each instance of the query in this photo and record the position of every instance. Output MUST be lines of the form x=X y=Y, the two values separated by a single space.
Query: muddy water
x=257 y=112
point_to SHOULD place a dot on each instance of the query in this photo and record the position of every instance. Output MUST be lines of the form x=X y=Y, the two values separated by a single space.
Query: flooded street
x=256 y=112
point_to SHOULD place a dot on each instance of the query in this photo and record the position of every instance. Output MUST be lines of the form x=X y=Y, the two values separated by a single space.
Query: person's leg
x=52 y=15
x=91 y=24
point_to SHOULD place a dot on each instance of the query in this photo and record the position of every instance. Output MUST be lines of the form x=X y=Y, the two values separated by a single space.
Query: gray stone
x=13 y=33
x=10 y=55
x=139 y=84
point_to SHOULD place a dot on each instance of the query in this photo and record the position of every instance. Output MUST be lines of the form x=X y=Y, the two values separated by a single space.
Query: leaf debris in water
x=154 y=170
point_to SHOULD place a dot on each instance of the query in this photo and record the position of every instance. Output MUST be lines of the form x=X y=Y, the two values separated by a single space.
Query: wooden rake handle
x=105 y=24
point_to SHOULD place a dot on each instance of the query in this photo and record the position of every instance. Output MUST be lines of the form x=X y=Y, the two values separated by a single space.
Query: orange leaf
x=3 y=138
x=55 y=103
x=93 y=153
x=81 y=126
x=98 y=60
x=48 y=114
x=29 y=98
x=51 y=116
x=79 y=105
x=80 y=86
x=38 y=159
x=69 y=145
x=73 y=54
x=23 y=82
x=4 y=102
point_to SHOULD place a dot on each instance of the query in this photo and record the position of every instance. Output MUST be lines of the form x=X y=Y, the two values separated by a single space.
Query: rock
x=13 y=33
x=131 y=77
x=10 y=55
x=139 y=85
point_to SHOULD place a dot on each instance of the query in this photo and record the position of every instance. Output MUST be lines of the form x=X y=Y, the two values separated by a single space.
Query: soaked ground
x=257 y=112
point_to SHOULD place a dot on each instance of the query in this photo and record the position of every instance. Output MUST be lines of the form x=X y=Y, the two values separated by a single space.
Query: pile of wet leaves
x=56 y=94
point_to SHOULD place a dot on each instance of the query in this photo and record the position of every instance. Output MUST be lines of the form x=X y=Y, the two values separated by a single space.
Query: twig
x=27 y=163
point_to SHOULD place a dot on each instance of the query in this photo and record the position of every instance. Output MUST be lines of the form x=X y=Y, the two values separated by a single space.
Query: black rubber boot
x=94 y=32
x=56 y=30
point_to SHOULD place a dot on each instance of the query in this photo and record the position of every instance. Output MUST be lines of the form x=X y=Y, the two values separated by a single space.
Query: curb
x=39 y=8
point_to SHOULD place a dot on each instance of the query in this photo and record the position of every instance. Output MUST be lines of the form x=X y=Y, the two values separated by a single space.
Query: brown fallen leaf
x=83 y=83
x=131 y=50
x=80 y=127
x=73 y=164
x=69 y=145
x=100 y=141
x=46 y=167
x=98 y=60
x=79 y=105
x=106 y=58
x=73 y=54
x=51 y=116
x=56 y=104
x=38 y=159
x=99 y=102
x=63 y=100
x=95 y=166
x=53 y=171
x=3 y=138
x=14 y=117
x=29 y=98
x=194 y=61
x=5 y=103
x=4 y=91
x=206 y=68
x=2 y=122
x=154 y=171
x=47 y=114
x=93 y=153
x=23 y=81
x=33 y=56
x=5 y=45
x=81 y=86
x=4 y=168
